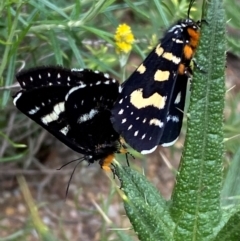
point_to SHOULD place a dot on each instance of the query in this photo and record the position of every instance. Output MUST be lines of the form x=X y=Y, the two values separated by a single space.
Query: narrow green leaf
x=121 y=6
x=75 y=50
x=161 y=12
x=196 y=200
x=16 y=145
x=50 y=5
x=96 y=8
x=42 y=229
x=13 y=158
x=122 y=236
x=100 y=33
x=111 y=18
x=231 y=229
x=76 y=10
x=138 y=10
x=101 y=64
x=144 y=206
x=56 y=47
x=6 y=54
x=10 y=77
x=231 y=188
x=106 y=4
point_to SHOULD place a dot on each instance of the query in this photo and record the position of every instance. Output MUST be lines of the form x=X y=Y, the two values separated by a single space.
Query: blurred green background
x=79 y=34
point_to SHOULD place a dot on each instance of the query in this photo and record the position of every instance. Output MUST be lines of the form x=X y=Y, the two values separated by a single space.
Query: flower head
x=123 y=38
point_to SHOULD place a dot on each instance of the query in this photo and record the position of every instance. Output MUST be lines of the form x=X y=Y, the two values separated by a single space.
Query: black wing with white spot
x=140 y=113
x=73 y=105
x=176 y=111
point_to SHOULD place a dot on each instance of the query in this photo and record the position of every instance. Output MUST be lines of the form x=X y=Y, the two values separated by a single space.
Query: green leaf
x=9 y=77
x=75 y=50
x=144 y=206
x=101 y=34
x=48 y=4
x=196 y=200
x=122 y=236
x=231 y=229
x=13 y=157
x=56 y=47
x=231 y=187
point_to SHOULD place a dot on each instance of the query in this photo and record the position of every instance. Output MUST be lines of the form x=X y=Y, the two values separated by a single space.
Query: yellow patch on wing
x=159 y=50
x=141 y=69
x=169 y=56
x=156 y=100
x=161 y=75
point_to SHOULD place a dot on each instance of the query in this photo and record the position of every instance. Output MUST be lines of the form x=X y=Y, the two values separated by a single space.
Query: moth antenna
x=81 y=159
x=70 y=179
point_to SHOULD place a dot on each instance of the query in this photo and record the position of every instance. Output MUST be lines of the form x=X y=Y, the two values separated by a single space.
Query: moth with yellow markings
x=149 y=109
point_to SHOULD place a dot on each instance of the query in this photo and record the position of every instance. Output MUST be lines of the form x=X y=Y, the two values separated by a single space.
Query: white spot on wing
x=88 y=116
x=124 y=120
x=58 y=76
x=74 y=89
x=49 y=118
x=156 y=122
x=39 y=76
x=54 y=115
x=120 y=89
x=31 y=79
x=173 y=118
x=135 y=133
x=169 y=143
x=33 y=111
x=106 y=75
x=178 y=41
x=144 y=152
x=178 y=98
x=59 y=108
x=174 y=28
x=16 y=98
x=78 y=70
x=49 y=75
x=130 y=127
x=121 y=111
x=65 y=130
